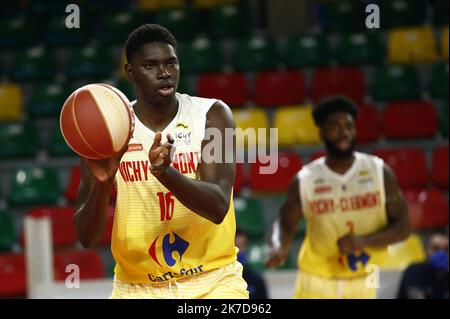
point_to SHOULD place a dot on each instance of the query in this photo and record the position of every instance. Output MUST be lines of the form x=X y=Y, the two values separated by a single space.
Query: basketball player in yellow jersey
x=174 y=224
x=353 y=208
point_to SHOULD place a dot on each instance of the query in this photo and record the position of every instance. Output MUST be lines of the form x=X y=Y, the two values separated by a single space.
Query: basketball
x=97 y=120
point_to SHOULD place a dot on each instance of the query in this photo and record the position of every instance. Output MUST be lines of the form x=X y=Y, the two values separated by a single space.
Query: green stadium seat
x=201 y=56
x=184 y=86
x=33 y=65
x=90 y=62
x=255 y=54
x=34 y=186
x=257 y=254
x=398 y=13
x=45 y=7
x=250 y=217
x=309 y=51
x=58 y=146
x=47 y=100
x=59 y=34
x=439 y=80
x=117 y=26
x=17 y=32
x=443 y=120
x=396 y=82
x=183 y=23
x=8 y=234
x=100 y=6
x=360 y=48
x=344 y=15
x=127 y=88
x=18 y=140
x=440 y=12
x=230 y=21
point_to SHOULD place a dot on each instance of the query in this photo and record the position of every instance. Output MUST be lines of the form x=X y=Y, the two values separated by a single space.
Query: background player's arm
x=210 y=196
x=397 y=228
x=286 y=225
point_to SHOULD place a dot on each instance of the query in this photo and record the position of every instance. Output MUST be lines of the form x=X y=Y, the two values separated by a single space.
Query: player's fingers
x=170 y=139
x=156 y=140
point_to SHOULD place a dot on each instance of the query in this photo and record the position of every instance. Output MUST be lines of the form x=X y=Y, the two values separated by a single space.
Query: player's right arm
x=285 y=226
x=97 y=178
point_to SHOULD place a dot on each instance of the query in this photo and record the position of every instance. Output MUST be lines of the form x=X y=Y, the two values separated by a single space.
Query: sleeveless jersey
x=335 y=205
x=155 y=237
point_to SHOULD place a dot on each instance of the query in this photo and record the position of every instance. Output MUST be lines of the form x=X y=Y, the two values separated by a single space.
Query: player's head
x=335 y=117
x=152 y=63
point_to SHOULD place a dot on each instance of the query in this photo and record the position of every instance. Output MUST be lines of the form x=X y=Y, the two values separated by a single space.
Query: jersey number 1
x=166 y=204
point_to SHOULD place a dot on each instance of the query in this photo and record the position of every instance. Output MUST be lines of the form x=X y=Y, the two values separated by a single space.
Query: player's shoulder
x=370 y=158
x=195 y=100
x=312 y=166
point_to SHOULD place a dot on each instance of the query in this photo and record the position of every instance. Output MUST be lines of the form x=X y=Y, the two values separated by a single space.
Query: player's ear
x=128 y=71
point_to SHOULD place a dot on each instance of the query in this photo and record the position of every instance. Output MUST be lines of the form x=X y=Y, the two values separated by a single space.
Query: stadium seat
x=251 y=119
x=11 y=102
x=63 y=228
x=398 y=13
x=257 y=254
x=100 y=6
x=443 y=120
x=439 y=171
x=342 y=81
x=343 y=16
x=201 y=56
x=116 y=26
x=182 y=23
x=444 y=43
x=46 y=7
x=47 y=100
x=17 y=32
x=308 y=51
x=58 y=146
x=288 y=165
x=408 y=164
x=250 y=217
x=410 y=120
x=18 y=140
x=359 y=48
x=440 y=12
x=231 y=88
x=255 y=54
x=208 y=4
x=396 y=83
x=90 y=62
x=126 y=87
x=8 y=236
x=295 y=125
x=404 y=253
x=239 y=179
x=34 y=186
x=59 y=35
x=412 y=45
x=274 y=88
x=439 y=81
x=153 y=5
x=12 y=275
x=71 y=190
x=427 y=209
x=230 y=21
x=368 y=124
x=35 y=64
x=89 y=262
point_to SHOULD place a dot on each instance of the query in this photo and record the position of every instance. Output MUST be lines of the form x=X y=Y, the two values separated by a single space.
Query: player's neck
x=339 y=165
x=155 y=117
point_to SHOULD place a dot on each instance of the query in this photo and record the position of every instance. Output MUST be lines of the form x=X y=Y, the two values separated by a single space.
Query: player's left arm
x=397 y=228
x=209 y=196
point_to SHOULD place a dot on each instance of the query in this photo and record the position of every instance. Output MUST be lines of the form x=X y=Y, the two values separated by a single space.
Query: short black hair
x=147 y=33
x=331 y=105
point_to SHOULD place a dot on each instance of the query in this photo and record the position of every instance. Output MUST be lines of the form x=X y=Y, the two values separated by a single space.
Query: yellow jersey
x=335 y=205
x=155 y=237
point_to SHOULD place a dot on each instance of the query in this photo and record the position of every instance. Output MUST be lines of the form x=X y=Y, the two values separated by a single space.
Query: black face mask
x=337 y=153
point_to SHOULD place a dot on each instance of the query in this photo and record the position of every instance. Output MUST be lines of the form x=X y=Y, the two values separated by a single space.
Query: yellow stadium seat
x=11 y=102
x=206 y=4
x=251 y=119
x=404 y=253
x=412 y=45
x=444 y=43
x=296 y=125
x=151 y=5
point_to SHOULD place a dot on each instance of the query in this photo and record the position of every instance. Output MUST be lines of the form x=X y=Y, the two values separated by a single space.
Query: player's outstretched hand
x=277 y=257
x=160 y=154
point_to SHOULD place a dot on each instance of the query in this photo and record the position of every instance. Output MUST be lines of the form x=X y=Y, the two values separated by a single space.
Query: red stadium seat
x=342 y=81
x=288 y=165
x=427 y=208
x=230 y=88
x=274 y=88
x=89 y=262
x=316 y=155
x=368 y=124
x=13 y=278
x=440 y=166
x=239 y=178
x=408 y=164
x=410 y=120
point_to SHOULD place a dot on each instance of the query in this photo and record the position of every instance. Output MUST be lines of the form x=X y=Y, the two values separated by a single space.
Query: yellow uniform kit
x=163 y=249
x=335 y=205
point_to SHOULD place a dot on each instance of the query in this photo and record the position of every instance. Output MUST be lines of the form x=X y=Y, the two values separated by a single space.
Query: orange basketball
x=97 y=120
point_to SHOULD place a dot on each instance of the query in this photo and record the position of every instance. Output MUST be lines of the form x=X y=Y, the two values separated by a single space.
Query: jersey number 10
x=166 y=204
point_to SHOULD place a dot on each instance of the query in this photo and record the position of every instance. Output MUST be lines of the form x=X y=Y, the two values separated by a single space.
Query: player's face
x=155 y=71
x=339 y=134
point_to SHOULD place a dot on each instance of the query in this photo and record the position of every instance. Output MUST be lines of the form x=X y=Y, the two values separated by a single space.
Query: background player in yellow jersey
x=174 y=225
x=353 y=208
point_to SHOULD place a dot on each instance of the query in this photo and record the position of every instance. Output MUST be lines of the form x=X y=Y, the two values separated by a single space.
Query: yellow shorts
x=309 y=286
x=222 y=283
